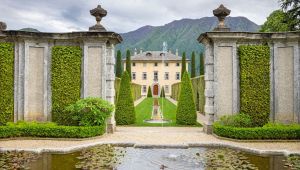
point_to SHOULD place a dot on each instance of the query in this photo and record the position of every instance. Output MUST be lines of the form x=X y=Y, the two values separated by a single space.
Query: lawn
x=144 y=111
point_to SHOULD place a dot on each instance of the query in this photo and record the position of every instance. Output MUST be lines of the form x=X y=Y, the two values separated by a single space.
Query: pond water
x=109 y=157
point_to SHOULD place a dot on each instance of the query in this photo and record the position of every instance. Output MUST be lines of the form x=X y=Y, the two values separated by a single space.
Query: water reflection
x=108 y=157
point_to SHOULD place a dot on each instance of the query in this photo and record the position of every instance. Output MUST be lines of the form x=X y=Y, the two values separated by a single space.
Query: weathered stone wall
x=222 y=88
x=32 y=70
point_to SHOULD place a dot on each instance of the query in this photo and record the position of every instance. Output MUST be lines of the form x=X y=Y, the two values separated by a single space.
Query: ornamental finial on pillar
x=221 y=13
x=3 y=26
x=99 y=13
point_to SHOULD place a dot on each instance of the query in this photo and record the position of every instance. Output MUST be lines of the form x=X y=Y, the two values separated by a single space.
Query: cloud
x=123 y=16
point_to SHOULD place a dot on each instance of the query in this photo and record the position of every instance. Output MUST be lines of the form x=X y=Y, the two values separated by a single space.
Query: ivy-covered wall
x=255 y=82
x=6 y=82
x=65 y=80
x=198 y=84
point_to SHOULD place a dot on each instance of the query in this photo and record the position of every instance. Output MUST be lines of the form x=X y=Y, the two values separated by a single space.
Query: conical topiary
x=186 y=110
x=149 y=94
x=125 y=112
x=162 y=92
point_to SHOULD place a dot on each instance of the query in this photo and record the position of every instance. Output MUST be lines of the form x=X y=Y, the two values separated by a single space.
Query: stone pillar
x=209 y=87
x=110 y=82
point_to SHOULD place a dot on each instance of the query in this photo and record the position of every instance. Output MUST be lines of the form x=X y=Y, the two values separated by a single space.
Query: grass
x=144 y=111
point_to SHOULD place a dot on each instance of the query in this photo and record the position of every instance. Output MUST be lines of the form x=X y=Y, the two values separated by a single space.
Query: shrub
x=119 y=64
x=239 y=120
x=6 y=82
x=149 y=94
x=128 y=63
x=255 y=82
x=183 y=64
x=193 y=65
x=65 y=81
x=269 y=131
x=33 y=129
x=162 y=93
x=90 y=111
x=186 y=110
x=125 y=112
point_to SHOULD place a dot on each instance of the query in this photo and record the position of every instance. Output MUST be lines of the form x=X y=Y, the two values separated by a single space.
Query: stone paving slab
x=151 y=137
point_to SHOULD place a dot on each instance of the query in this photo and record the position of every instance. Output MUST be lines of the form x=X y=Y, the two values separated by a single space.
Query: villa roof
x=156 y=56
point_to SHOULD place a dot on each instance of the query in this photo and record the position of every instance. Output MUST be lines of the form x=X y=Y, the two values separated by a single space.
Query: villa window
x=177 y=76
x=144 y=89
x=166 y=64
x=144 y=76
x=177 y=64
x=144 y=64
x=133 y=75
x=155 y=76
x=133 y=64
x=167 y=89
x=166 y=75
x=155 y=64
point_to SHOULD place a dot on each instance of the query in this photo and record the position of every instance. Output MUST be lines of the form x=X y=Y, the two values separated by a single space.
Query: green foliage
x=90 y=111
x=292 y=8
x=49 y=130
x=6 y=82
x=119 y=69
x=255 y=82
x=183 y=64
x=128 y=63
x=162 y=93
x=193 y=65
x=65 y=81
x=136 y=91
x=125 y=112
x=274 y=131
x=275 y=22
x=198 y=84
x=149 y=94
x=201 y=64
x=238 y=120
x=186 y=110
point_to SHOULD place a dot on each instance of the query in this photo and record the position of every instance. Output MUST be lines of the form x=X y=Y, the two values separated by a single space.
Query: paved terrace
x=151 y=137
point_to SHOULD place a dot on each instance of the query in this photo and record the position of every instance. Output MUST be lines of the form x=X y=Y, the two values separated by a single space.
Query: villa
x=156 y=69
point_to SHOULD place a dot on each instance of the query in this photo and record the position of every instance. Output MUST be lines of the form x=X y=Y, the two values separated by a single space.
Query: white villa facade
x=156 y=69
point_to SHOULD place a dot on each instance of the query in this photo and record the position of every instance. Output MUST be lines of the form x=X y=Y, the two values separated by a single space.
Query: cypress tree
x=119 y=64
x=149 y=94
x=125 y=112
x=128 y=63
x=201 y=64
x=162 y=92
x=183 y=64
x=186 y=110
x=193 y=66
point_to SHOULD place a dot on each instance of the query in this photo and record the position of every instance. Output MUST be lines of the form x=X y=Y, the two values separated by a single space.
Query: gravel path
x=151 y=136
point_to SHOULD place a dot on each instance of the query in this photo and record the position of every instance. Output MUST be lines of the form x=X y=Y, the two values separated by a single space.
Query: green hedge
x=6 y=82
x=255 y=82
x=186 y=109
x=136 y=90
x=258 y=133
x=198 y=84
x=66 y=81
x=49 y=130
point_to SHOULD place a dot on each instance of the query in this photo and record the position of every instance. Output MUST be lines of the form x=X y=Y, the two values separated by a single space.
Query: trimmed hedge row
x=258 y=133
x=255 y=82
x=198 y=84
x=66 y=81
x=6 y=82
x=49 y=130
x=135 y=89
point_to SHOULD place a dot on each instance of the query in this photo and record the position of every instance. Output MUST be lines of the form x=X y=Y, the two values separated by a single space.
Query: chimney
x=176 y=52
x=141 y=50
x=135 y=51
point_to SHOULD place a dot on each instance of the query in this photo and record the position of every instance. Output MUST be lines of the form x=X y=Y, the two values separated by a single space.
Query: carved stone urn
x=221 y=13
x=99 y=13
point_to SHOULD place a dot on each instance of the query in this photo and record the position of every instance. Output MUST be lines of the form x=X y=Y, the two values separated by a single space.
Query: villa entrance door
x=155 y=90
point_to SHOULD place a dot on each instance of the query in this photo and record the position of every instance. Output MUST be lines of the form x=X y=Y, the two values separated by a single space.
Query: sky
x=123 y=15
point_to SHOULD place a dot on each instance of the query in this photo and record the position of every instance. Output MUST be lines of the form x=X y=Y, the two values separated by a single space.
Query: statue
x=2 y=26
